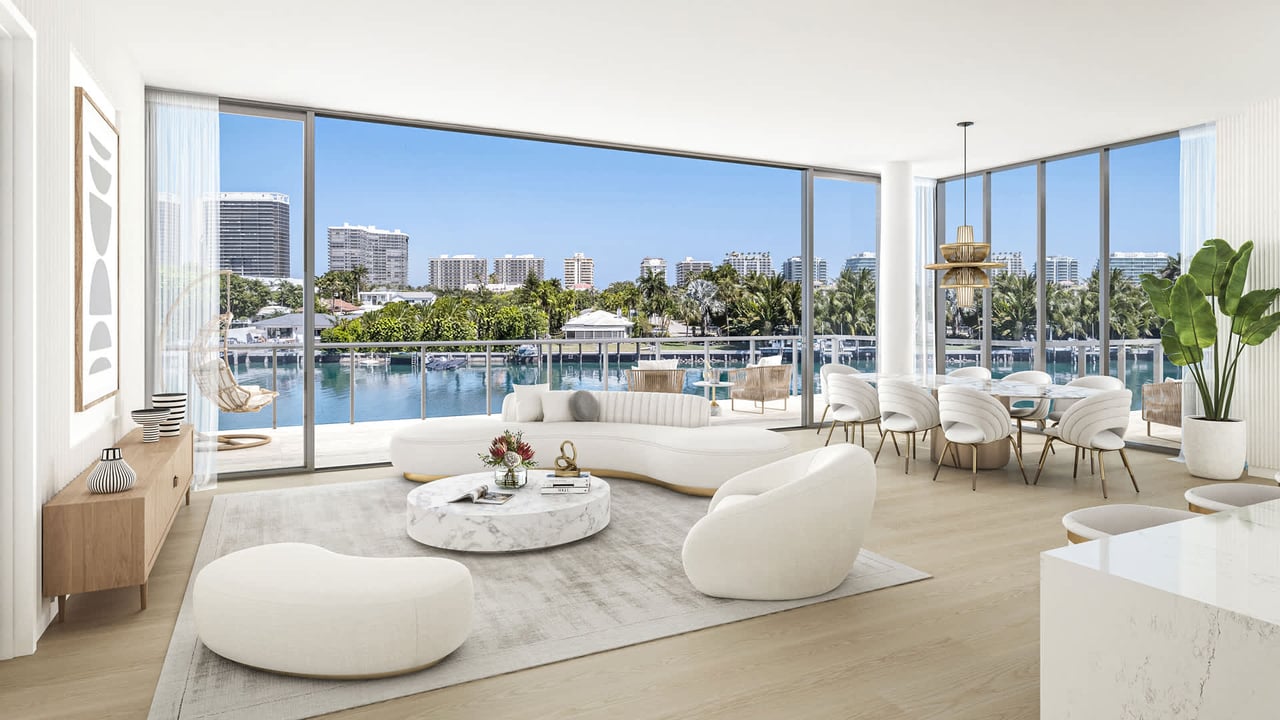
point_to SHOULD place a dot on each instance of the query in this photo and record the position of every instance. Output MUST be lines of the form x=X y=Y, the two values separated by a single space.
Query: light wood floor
x=961 y=645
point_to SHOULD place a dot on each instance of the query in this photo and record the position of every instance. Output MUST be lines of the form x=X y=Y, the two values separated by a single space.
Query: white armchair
x=788 y=530
x=971 y=417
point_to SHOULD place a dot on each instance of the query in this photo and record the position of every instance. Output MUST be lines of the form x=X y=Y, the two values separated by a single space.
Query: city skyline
x=498 y=196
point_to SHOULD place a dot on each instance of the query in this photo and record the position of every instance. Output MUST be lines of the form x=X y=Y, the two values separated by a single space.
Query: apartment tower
x=253 y=232
x=458 y=271
x=579 y=272
x=515 y=269
x=383 y=253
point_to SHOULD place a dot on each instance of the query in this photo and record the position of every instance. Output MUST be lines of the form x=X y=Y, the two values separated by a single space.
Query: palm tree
x=655 y=296
x=704 y=298
x=1013 y=306
x=1172 y=268
x=767 y=303
x=848 y=308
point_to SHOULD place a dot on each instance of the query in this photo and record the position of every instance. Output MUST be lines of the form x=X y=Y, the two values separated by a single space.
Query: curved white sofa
x=791 y=529
x=663 y=438
x=299 y=609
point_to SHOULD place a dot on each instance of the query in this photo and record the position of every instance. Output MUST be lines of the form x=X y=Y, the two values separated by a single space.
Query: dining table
x=993 y=455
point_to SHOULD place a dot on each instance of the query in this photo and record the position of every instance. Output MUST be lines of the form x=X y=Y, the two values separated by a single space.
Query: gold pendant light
x=965 y=266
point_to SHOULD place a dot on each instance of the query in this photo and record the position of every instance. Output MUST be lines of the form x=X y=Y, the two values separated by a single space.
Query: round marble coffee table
x=528 y=521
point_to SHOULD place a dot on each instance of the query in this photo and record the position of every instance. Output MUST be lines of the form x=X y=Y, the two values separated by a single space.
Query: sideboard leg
x=62 y=607
x=142 y=591
x=188 y=496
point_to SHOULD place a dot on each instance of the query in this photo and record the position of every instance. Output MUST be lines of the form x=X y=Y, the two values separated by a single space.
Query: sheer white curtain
x=1198 y=199
x=182 y=228
x=925 y=351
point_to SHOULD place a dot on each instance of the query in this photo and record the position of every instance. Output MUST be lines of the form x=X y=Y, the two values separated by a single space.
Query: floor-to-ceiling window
x=845 y=247
x=1144 y=239
x=261 y=250
x=445 y=267
x=962 y=311
x=1071 y=267
x=1075 y=233
x=1014 y=298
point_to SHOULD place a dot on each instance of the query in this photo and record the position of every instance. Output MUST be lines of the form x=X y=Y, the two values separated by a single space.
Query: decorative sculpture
x=566 y=464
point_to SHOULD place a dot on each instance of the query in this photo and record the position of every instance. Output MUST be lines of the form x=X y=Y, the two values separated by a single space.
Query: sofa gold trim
x=619 y=474
x=1202 y=510
x=372 y=676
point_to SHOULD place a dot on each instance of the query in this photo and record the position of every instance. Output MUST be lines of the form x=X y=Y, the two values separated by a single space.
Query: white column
x=895 y=285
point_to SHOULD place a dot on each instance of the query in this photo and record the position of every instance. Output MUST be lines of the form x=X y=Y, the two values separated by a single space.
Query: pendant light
x=965 y=266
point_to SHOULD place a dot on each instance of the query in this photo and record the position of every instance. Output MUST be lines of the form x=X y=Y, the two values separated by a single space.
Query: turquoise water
x=393 y=392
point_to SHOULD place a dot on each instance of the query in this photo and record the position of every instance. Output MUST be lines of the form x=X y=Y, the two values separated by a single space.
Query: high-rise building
x=749 y=263
x=862 y=261
x=458 y=271
x=579 y=272
x=1136 y=264
x=383 y=253
x=688 y=268
x=653 y=266
x=1013 y=263
x=515 y=269
x=793 y=270
x=1062 y=269
x=253 y=232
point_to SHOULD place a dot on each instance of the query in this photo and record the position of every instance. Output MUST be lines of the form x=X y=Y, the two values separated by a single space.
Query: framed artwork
x=97 y=272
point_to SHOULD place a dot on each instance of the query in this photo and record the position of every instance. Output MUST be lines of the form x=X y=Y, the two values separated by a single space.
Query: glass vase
x=509 y=478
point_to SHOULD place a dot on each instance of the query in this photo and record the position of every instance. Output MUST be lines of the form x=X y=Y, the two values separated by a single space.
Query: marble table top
x=1229 y=560
x=1000 y=388
x=528 y=521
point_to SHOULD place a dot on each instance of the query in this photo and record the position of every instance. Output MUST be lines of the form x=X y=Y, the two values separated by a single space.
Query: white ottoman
x=1228 y=496
x=1106 y=520
x=299 y=609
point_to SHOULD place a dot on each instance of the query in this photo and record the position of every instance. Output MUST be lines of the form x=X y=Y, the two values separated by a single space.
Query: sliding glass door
x=261 y=249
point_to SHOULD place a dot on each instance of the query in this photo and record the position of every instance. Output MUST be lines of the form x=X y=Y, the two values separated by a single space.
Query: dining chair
x=973 y=371
x=972 y=417
x=1095 y=382
x=830 y=369
x=853 y=402
x=906 y=408
x=1093 y=424
x=1035 y=410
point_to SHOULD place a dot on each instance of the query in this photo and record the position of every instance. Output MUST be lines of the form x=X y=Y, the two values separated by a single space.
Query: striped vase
x=112 y=474
x=176 y=404
x=150 y=419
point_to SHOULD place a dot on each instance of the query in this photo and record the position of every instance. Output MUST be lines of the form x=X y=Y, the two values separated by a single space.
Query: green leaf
x=1209 y=265
x=1233 y=279
x=1158 y=290
x=1251 y=307
x=1193 y=317
x=1178 y=353
x=1261 y=329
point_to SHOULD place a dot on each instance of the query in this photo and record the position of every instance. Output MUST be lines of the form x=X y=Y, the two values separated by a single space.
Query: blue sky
x=457 y=193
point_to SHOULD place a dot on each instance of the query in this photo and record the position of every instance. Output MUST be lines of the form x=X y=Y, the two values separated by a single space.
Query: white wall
x=71 y=48
x=1249 y=209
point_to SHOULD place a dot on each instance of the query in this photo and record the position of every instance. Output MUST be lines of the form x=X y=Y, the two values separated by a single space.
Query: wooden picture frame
x=97 y=245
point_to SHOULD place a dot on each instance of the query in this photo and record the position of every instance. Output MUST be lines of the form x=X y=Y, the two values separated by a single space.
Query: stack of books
x=552 y=485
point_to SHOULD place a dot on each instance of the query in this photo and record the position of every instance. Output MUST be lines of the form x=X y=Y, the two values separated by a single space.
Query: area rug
x=622 y=586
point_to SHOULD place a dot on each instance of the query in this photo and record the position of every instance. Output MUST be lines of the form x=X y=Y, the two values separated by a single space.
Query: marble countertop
x=1230 y=560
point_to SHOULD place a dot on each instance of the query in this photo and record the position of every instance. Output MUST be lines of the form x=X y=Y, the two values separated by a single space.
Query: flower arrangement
x=509 y=451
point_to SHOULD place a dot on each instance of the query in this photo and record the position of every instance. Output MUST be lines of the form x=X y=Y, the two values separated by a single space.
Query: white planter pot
x=1214 y=449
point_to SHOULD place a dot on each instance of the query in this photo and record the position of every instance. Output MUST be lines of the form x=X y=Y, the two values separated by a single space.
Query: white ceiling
x=850 y=84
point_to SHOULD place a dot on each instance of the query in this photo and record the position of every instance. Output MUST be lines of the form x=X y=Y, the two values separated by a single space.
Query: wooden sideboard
x=98 y=542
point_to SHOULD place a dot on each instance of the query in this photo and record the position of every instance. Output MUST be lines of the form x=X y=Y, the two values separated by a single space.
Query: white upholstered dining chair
x=1029 y=410
x=1093 y=424
x=973 y=371
x=853 y=402
x=972 y=417
x=906 y=408
x=826 y=371
x=1095 y=382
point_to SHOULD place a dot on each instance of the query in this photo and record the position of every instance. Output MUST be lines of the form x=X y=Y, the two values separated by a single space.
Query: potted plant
x=510 y=457
x=1209 y=297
